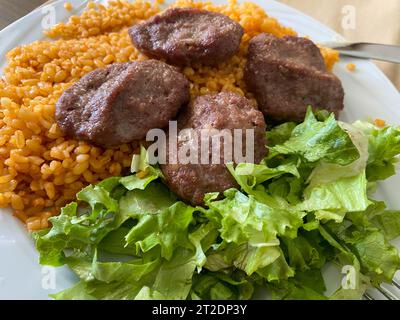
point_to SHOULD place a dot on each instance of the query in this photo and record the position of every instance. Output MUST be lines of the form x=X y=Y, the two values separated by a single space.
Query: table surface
x=11 y=10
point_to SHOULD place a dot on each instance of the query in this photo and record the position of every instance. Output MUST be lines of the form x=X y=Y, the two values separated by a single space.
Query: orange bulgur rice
x=40 y=169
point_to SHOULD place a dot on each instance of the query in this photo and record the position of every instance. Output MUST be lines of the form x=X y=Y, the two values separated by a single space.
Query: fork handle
x=383 y=52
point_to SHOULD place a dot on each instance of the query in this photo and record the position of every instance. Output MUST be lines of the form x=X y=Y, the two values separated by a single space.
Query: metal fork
x=365 y=50
x=387 y=295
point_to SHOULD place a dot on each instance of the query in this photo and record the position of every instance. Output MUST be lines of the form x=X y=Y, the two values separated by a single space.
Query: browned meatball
x=120 y=103
x=287 y=75
x=187 y=35
x=225 y=110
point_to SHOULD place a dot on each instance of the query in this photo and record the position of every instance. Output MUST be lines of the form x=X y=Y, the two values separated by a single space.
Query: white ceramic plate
x=369 y=94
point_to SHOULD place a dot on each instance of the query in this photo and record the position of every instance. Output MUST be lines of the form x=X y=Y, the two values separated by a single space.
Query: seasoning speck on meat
x=188 y=35
x=287 y=75
x=120 y=103
x=223 y=111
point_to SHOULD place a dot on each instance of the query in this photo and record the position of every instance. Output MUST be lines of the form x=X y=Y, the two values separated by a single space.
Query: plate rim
x=283 y=7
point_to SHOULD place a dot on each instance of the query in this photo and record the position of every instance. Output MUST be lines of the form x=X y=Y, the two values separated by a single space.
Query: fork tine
x=387 y=293
x=396 y=284
x=367 y=296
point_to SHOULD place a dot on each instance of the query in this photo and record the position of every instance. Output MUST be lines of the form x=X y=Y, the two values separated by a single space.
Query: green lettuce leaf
x=250 y=231
x=307 y=285
x=388 y=222
x=246 y=220
x=335 y=199
x=280 y=134
x=77 y=232
x=222 y=286
x=304 y=205
x=167 y=229
x=379 y=260
x=384 y=148
x=315 y=140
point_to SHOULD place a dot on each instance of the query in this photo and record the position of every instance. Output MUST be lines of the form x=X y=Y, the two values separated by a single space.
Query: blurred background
x=357 y=20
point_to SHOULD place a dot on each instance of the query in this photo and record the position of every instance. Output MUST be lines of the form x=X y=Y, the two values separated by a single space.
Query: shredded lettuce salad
x=308 y=203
